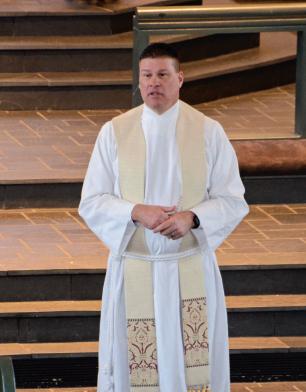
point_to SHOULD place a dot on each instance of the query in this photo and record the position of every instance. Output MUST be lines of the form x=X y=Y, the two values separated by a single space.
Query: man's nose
x=155 y=80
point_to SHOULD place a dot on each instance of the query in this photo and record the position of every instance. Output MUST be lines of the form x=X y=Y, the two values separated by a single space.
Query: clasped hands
x=157 y=218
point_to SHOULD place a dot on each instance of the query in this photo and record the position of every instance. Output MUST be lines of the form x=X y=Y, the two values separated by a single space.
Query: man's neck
x=165 y=113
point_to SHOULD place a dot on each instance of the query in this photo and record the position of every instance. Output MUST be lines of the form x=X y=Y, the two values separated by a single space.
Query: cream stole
x=131 y=149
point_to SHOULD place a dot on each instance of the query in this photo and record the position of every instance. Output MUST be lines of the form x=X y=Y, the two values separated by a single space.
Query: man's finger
x=167 y=231
x=165 y=216
x=162 y=226
x=174 y=236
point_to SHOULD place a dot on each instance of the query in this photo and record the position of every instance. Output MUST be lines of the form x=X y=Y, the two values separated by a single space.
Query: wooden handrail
x=187 y=15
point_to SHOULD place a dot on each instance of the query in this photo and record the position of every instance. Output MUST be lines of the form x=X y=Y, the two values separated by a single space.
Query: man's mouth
x=154 y=93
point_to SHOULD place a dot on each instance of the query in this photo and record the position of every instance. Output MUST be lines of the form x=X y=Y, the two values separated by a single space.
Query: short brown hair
x=160 y=50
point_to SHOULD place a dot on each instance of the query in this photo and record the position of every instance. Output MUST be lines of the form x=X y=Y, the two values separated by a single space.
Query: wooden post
x=140 y=42
x=7 y=376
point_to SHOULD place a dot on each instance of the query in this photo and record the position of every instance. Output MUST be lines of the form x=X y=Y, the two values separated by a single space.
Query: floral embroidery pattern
x=195 y=332
x=142 y=352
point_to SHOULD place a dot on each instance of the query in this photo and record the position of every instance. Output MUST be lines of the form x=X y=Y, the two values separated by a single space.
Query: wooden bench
x=273 y=171
x=271 y=157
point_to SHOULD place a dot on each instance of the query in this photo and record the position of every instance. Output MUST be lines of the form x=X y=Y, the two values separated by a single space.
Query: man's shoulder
x=209 y=123
x=106 y=134
x=214 y=133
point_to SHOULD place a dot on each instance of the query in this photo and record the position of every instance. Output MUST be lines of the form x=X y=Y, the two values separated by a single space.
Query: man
x=163 y=191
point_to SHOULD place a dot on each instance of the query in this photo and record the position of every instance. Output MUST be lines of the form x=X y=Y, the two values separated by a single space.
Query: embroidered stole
x=131 y=149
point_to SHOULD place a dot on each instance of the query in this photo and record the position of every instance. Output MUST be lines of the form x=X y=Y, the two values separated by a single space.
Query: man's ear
x=181 y=78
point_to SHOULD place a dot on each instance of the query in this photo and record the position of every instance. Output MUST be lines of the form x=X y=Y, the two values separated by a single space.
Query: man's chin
x=157 y=108
x=154 y=105
x=155 y=98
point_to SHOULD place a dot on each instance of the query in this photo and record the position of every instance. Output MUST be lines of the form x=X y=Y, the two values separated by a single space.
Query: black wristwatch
x=196 y=222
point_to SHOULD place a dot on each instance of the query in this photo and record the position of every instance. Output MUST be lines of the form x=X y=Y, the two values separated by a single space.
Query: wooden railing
x=223 y=19
x=7 y=376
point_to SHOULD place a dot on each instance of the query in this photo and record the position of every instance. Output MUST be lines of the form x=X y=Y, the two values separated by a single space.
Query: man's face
x=159 y=83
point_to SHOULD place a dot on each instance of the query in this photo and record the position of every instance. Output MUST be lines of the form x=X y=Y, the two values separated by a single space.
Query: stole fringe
x=203 y=389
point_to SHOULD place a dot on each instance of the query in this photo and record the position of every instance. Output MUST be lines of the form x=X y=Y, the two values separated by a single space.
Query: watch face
x=196 y=221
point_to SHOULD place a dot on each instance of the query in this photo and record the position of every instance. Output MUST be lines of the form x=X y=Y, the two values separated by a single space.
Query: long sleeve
x=101 y=206
x=224 y=206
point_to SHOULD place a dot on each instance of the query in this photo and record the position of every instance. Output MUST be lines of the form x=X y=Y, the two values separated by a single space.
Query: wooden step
x=246 y=345
x=265 y=255
x=268 y=1
x=112 y=90
x=274 y=48
x=60 y=17
x=264 y=303
x=247 y=70
x=50 y=309
x=235 y=387
x=52 y=321
x=49 y=350
x=83 y=389
x=107 y=53
x=251 y=303
x=63 y=7
x=59 y=321
x=253 y=345
x=82 y=371
x=266 y=315
x=116 y=41
x=69 y=79
x=52 y=175
x=268 y=386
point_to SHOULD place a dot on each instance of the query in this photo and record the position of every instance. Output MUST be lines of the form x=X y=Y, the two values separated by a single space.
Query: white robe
x=109 y=217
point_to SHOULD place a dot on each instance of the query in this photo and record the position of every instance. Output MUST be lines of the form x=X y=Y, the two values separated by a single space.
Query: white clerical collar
x=170 y=112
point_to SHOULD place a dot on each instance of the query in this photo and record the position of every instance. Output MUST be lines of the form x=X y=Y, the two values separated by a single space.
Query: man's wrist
x=134 y=214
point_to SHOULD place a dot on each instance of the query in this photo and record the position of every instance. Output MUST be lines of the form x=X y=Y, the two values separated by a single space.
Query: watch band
x=196 y=221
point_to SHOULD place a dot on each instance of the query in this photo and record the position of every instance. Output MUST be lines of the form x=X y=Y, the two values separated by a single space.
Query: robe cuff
x=132 y=223
x=123 y=227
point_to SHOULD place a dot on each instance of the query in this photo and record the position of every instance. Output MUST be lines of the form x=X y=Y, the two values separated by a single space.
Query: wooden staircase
x=50 y=306
x=67 y=56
